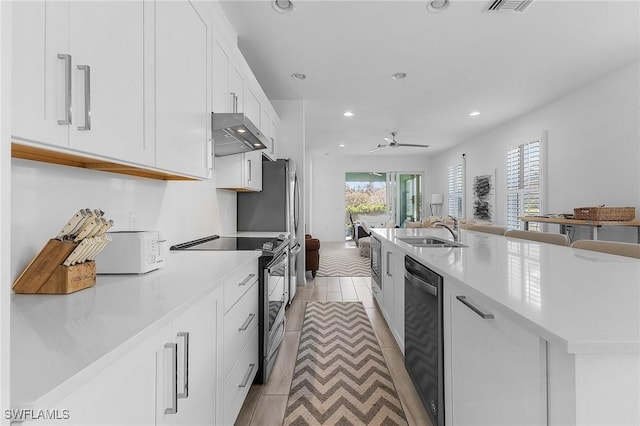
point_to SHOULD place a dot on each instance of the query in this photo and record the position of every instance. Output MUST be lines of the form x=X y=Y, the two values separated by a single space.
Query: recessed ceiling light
x=348 y=114
x=298 y=76
x=241 y=130
x=435 y=6
x=342 y=145
x=399 y=76
x=474 y=114
x=282 y=6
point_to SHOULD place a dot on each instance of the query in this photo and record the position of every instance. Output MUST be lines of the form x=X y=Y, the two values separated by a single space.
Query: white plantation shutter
x=455 y=190
x=524 y=184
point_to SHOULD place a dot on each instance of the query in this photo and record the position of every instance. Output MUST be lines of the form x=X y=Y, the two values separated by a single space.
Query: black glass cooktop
x=216 y=242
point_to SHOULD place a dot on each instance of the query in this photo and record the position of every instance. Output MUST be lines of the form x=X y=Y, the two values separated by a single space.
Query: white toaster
x=131 y=252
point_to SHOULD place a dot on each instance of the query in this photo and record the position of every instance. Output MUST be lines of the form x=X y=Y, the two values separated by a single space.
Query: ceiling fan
x=393 y=144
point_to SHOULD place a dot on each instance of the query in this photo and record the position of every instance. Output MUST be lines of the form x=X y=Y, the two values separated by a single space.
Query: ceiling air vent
x=508 y=5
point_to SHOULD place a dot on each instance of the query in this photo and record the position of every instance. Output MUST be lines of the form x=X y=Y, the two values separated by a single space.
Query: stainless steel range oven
x=273 y=286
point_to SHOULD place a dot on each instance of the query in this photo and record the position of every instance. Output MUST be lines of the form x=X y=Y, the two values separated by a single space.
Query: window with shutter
x=455 y=190
x=524 y=184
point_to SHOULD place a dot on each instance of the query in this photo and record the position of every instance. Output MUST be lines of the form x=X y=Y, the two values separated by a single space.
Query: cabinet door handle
x=247 y=322
x=233 y=102
x=185 y=365
x=389 y=263
x=246 y=280
x=173 y=378
x=210 y=153
x=464 y=301
x=249 y=167
x=87 y=97
x=67 y=89
x=247 y=376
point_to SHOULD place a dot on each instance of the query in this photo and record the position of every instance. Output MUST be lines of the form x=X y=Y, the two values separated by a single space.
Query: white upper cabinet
x=40 y=78
x=236 y=88
x=222 y=101
x=273 y=132
x=240 y=172
x=228 y=82
x=106 y=41
x=252 y=107
x=181 y=91
x=78 y=74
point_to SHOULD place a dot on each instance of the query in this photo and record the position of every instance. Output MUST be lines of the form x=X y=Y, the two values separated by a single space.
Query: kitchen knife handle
x=185 y=364
x=67 y=89
x=247 y=322
x=173 y=378
x=87 y=97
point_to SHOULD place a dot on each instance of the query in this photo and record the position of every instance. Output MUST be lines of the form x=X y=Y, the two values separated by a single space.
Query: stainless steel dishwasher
x=423 y=354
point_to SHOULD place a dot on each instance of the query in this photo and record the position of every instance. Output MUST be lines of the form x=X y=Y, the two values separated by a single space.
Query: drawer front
x=239 y=380
x=239 y=323
x=238 y=284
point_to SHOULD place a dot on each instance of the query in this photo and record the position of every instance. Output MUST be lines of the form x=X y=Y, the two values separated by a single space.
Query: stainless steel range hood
x=234 y=133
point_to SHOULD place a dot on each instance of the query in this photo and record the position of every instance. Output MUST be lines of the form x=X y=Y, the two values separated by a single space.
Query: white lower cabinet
x=495 y=370
x=238 y=381
x=240 y=342
x=393 y=291
x=186 y=378
x=397 y=317
x=388 y=284
x=122 y=394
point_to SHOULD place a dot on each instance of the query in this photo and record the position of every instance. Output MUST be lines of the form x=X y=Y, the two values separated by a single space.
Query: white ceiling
x=459 y=60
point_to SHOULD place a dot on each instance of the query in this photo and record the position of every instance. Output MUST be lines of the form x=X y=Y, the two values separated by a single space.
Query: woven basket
x=605 y=213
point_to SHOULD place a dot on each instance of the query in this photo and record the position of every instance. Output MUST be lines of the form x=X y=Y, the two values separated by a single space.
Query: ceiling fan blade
x=388 y=139
x=412 y=144
x=378 y=148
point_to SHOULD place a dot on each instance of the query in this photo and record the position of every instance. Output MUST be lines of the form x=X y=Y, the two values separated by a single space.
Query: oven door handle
x=283 y=258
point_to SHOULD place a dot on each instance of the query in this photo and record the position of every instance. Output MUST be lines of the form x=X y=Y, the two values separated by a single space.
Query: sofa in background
x=312 y=254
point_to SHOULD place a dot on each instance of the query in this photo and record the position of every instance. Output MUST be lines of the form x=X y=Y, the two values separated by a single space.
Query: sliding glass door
x=409 y=197
x=379 y=197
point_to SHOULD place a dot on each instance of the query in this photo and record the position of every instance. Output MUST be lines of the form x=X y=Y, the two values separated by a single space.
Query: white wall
x=593 y=151
x=327 y=202
x=44 y=196
x=5 y=190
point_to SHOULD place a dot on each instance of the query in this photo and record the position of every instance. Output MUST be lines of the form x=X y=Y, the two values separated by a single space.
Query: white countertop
x=588 y=301
x=57 y=340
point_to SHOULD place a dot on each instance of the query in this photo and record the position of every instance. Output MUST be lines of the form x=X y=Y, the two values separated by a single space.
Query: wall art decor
x=483 y=197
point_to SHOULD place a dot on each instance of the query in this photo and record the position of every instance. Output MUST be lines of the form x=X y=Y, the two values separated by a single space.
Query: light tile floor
x=266 y=404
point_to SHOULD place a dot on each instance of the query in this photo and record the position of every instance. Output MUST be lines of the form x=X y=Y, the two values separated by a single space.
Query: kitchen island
x=584 y=307
x=64 y=344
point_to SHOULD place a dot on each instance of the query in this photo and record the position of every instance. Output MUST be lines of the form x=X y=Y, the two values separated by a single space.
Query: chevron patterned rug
x=340 y=376
x=343 y=262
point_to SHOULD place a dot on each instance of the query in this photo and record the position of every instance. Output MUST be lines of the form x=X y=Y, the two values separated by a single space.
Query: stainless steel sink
x=430 y=242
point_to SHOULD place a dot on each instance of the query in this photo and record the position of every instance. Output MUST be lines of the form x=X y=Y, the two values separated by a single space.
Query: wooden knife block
x=47 y=275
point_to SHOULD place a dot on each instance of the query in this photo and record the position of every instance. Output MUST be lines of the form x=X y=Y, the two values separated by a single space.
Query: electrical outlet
x=134 y=221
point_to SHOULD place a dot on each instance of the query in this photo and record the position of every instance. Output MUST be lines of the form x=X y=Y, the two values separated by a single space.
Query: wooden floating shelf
x=28 y=152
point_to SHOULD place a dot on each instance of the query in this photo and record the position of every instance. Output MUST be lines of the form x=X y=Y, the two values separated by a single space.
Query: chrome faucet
x=455 y=232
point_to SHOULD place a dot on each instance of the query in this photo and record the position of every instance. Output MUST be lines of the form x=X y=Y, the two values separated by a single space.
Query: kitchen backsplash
x=44 y=196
